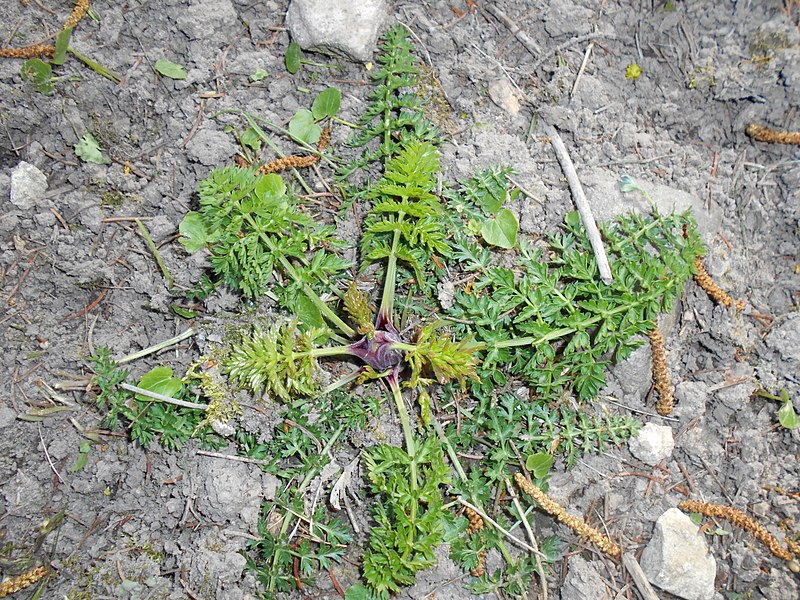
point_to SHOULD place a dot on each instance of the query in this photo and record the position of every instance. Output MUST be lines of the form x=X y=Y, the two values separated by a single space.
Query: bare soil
x=75 y=273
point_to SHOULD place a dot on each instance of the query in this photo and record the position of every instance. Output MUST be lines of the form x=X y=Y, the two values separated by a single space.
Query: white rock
x=28 y=186
x=652 y=444
x=678 y=560
x=503 y=95
x=338 y=25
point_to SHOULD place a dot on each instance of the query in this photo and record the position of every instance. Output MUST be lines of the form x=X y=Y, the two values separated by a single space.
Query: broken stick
x=587 y=218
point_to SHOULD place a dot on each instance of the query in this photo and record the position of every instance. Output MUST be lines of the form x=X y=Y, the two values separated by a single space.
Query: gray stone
x=583 y=581
x=652 y=444
x=28 y=186
x=337 y=25
x=607 y=201
x=678 y=560
x=785 y=338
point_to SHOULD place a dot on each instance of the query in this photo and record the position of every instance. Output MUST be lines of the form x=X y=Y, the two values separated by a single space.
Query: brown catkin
x=295 y=161
x=480 y=568
x=716 y=293
x=78 y=12
x=737 y=517
x=666 y=401
x=765 y=134
x=475 y=521
x=577 y=525
x=32 y=51
x=12 y=585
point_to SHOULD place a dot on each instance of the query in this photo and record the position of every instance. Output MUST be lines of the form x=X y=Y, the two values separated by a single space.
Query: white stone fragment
x=339 y=25
x=678 y=560
x=503 y=95
x=652 y=444
x=28 y=186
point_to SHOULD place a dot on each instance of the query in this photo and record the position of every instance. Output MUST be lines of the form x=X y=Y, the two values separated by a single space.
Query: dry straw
x=577 y=524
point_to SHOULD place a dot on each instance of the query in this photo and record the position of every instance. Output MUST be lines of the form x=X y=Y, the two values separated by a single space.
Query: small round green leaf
x=294 y=55
x=259 y=75
x=302 y=127
x=170 y=69
x=193 y=232
x=160 y=381
x=787 y=417
x=326 y=104
x=502 y=230
x=539 y=464
x=88 y=150
x=39 y=73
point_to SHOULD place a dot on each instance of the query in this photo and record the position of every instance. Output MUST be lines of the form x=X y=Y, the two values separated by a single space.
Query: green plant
x=146 y=418
x=543 y=319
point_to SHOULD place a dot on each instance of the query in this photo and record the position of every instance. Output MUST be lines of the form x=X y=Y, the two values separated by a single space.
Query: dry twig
x=577 y=525
x=587 y=218
x=737 y=517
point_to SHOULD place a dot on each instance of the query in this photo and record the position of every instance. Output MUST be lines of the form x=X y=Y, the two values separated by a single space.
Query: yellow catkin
x=577 y=525
x=12 y=585
x=666 y=401
x=294 y=161
x=765 y=134
x=78 y=12
x=32 y=51
x=716 y=293
x=475 y=521
x=737 y=517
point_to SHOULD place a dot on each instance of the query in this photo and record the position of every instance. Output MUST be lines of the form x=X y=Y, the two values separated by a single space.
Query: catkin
x=666 y=401
x=480 y=568
x=295 y=161
x=577 y=525
x=765 y=134
x=12 y=585
x=716 y=293
x=32 y=51
x=475 y=521
x=737 y=517
x=78 y=12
